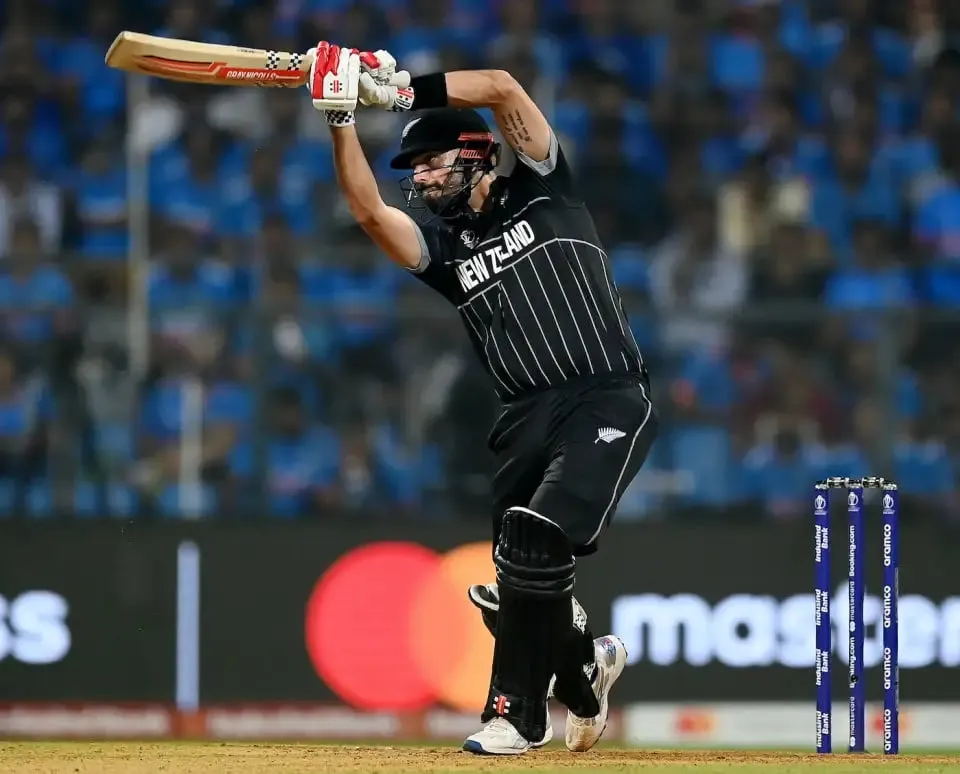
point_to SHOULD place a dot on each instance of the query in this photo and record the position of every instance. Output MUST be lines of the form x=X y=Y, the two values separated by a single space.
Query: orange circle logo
x=389 y=627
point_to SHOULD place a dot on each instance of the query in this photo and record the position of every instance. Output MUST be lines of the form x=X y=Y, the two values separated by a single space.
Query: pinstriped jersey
x=533 y=284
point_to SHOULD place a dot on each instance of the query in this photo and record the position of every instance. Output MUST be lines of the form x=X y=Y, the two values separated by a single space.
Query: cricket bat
x=210 y=63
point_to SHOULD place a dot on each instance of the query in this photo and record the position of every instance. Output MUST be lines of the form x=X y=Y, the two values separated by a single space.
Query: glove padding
x=381 y=85
x=334 y=77
x=382 y=67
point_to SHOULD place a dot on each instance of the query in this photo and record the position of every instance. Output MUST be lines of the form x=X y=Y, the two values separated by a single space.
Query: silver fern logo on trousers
x=609 y=434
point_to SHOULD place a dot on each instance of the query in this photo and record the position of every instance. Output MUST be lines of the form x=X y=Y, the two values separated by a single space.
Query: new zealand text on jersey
x=494 y=257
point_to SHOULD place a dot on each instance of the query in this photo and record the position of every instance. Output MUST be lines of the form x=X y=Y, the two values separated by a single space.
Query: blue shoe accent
x=474 y=747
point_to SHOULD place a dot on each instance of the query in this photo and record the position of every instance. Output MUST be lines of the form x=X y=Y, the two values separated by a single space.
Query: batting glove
x=381 y=85
x=334 y=82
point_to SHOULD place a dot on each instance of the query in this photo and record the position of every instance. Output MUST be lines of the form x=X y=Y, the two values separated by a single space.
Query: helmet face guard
x=474 y=159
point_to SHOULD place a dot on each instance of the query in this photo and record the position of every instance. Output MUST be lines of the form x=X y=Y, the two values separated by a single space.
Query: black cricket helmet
x=438 y=131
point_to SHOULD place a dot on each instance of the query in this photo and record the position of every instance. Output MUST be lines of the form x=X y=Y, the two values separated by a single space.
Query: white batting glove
x=383 y=67
x=381 y=85
x=334 y=82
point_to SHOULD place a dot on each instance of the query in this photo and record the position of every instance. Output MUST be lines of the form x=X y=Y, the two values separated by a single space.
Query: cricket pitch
x=237 y=758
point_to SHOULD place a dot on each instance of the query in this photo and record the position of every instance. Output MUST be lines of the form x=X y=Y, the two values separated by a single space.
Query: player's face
x=433 y=176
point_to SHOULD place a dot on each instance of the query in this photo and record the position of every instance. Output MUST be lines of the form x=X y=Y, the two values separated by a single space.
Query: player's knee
x=578 y=514
x=533 y=555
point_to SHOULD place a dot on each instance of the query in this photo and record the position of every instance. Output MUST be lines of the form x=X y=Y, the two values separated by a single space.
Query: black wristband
x=429 y=91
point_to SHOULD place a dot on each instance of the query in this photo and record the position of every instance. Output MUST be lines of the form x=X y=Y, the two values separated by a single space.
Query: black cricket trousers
x=570 y=452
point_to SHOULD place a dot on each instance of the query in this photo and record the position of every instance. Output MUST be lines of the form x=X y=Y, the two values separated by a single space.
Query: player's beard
x=449 y=196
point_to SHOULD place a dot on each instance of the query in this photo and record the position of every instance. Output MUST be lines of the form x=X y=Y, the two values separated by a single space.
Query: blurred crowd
x=191 y=325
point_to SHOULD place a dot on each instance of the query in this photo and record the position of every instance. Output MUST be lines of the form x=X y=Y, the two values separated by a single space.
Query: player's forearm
x=520 y=121
x=354 y=176
x=480 y=88
x=391 y=230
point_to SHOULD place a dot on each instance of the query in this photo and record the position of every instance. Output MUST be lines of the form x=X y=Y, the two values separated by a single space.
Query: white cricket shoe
x=584 y=733
x=499 y=737
x=485 y=738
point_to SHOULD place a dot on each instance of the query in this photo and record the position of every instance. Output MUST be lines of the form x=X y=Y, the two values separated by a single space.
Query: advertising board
x=375 y=615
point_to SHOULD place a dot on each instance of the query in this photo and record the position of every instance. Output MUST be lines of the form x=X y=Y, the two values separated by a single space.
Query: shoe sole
x=626 y=657
x=476 y=748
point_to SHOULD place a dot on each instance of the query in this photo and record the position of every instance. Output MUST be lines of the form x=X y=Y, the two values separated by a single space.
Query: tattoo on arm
x=516 y=130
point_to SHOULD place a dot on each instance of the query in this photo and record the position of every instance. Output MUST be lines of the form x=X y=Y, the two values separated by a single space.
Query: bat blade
x=210 y=63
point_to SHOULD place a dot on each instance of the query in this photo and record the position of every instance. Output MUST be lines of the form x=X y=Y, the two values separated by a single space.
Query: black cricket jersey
x=533 y=284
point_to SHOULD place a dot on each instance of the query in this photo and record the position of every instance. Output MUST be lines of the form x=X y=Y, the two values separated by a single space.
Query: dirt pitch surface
x=233 y=758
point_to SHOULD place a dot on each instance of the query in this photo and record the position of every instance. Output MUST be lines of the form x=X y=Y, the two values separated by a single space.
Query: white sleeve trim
x=545 y=167
x=424 y=250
